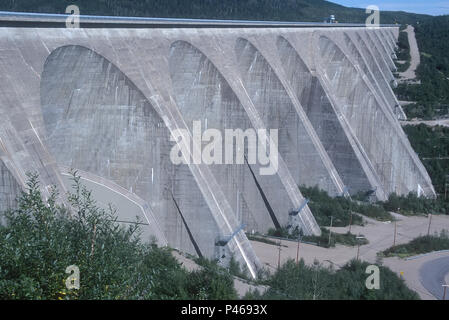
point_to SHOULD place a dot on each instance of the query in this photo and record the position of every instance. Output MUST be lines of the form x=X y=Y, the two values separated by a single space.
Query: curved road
x=432 y=276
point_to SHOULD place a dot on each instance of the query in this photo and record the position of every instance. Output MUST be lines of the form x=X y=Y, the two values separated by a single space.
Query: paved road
x=432 y=276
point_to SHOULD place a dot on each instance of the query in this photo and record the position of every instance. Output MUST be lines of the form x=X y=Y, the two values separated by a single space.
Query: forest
x=431 y=95
x=285 y=10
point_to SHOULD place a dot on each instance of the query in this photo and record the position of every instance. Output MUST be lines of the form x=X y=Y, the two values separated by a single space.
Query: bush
x=414 y=205
x=347 y=239
x=41 y=239
x=420 y=245
x=323 y=207
x=303 y=282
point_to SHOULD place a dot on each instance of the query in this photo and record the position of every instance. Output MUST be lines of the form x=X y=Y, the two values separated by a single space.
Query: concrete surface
x=106 y=101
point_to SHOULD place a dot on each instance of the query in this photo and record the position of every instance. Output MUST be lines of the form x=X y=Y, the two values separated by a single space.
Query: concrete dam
x=106 y=99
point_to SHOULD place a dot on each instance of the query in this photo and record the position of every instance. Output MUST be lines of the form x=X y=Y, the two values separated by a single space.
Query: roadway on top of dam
x=49 y=20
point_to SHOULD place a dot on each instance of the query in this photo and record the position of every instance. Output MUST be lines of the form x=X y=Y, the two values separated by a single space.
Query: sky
x=432 y=7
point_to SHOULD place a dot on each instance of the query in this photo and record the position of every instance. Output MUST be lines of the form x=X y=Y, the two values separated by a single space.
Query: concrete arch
x=378 y=56
x=98 y=121
x=202 y=94
x=388 y=41
x=377 y=71
x=386 y=53
x=321 y=114
x=391 y=103
x=392 y=38
x=374 y=127
x=280 y=189
x=266 y=91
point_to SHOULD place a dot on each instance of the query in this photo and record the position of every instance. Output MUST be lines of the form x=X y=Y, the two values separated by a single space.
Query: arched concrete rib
x=379 y=75
x=395 y=170
x=278 y=92
x=375 y=69
x=377 y=55
x=322 y=116
x=114 y=191
x=353 y=51
x=20 y=138
x=381 y=86
x=378 y=36
x=393 y=36
x=284 y=194
x=381 y=44
x=197 y=205
x=388 y=36
x=388 y=42
x=160 y=94
x=202 y=94
x=100 y=123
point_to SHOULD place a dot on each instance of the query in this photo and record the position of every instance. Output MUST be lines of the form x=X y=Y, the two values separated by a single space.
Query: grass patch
x=420 y=245
x=263 y=239
x=347 y=239
x=303 y=282
x=323 y=207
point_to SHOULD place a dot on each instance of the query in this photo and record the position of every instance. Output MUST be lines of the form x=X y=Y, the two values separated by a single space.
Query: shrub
x=303 y=282
x=41 y=239
x=420 y=245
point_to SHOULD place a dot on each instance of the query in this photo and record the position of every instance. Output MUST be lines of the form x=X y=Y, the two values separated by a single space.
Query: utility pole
x=279 y=255
x=358 y=249
x=330 y=233
x=430 y=221
x=350 y=221
x=446 y=183
x=444 y=292
x=395 y=228
x=315 y=285
x=297 y=250
x=358 y=245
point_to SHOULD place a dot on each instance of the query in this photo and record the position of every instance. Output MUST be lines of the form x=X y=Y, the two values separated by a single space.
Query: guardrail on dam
x=106 y=100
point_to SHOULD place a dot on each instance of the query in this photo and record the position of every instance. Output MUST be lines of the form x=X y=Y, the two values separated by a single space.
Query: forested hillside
x=432 y=94
x=286 y=10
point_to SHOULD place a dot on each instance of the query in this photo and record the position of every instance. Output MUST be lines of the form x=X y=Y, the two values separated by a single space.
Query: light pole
x=330 y=233
x=358 y=245
x=350 y=221
x=279 y=255
x=444 y=292
x=297 y=249
x=394 y=237
x=446 y=184
x=430 y=221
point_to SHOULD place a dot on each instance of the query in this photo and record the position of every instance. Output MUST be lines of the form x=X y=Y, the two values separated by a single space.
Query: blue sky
x=433 y=7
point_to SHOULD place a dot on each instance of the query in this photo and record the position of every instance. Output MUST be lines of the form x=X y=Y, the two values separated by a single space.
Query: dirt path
x=430 y=123
x=410 y=74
